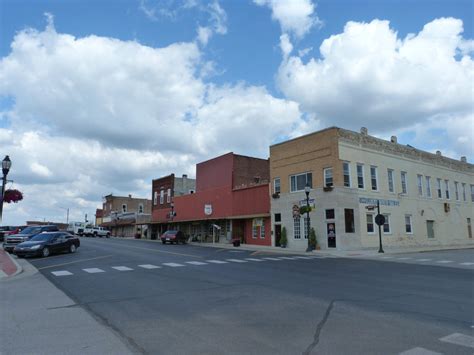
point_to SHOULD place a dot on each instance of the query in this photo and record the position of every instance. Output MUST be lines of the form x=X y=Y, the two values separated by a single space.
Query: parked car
x=45 y=244
x=26 y=234
x=5 y=230
x=173 y=237
x=91 y=231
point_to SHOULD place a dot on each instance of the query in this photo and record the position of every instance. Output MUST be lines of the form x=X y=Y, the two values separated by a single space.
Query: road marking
x=459 y=339
x=195 y=263
x=444 y=261
x=93 y=270
x=404 y=258
x=61 y=273
x=466 y=264
x=73 y=262
x=122 y=268
x=235 y=251
x=424 y=259
x=303 y=257
x=173 y=264
x=217 y=261
x=149 y=266
x=236 y=260
x=159 y=251
x=275 y=259
x=254 y=259
x=287 y=258
x=387 y=257
x=419 y=351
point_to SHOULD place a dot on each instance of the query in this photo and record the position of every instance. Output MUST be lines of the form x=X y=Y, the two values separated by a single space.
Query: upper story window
x=428 y=186
x=390 y=180
x=328 y=178
x=456 y=190
x=298 y=182
x=140 y=208
x=124 y=207
x=155 y=198
x=438 y=188
x=408 y=224
x=373 y=178
x=276 y=185
x=419 y=181
x=464 y=192
x=346 y=170
x=403 y=177
x=360 y=176
x=386 y=226
x=162 y=197
x=168 y=196
x=446 y=185
x=472 y=193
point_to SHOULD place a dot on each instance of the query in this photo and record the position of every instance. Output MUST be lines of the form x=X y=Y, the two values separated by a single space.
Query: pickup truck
x=91 y=231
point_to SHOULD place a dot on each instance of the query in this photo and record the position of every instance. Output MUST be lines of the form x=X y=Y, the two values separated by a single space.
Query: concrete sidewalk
x=8 y=265
x=38 y=318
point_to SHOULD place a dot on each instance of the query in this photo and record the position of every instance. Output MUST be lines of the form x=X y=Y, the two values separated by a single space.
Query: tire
x=163 y=241
x=108 y=235
x=72 y=248
x=95 y=235
x=184 y=241
x=45 y=253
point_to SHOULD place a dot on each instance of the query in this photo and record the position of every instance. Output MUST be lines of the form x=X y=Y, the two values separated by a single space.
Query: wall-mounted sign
x=312 y=202
x=296 y=211
x=207 y=210
x=373 y=201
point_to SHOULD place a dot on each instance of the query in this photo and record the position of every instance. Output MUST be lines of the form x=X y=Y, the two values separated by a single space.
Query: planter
x=236 y=242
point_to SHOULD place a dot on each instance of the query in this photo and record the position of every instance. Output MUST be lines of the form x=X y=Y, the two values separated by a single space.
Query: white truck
x=91 y=231
x=76 y=228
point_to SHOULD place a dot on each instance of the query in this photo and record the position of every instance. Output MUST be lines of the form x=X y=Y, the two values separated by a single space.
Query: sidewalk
x=8 y=265
x=38 y=318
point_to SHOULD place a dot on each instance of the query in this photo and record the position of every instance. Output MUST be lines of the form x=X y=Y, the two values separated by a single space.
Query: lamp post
x=307 y=189
x=6 y=165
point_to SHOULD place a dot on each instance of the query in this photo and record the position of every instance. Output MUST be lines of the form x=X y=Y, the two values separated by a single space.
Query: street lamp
x=6 y=165
x=307 y=189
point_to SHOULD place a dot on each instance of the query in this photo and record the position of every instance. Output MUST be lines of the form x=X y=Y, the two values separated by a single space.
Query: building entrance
x=331 y=232
x=277 y=234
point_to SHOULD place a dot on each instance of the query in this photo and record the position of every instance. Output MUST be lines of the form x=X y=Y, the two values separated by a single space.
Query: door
x=430 y=229
x=277 y=234
x=469 y=230
x=331 y=232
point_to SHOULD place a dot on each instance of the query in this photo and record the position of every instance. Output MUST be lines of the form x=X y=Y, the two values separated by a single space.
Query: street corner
x=8 y=266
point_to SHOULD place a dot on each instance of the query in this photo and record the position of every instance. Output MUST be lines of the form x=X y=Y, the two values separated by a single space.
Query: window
x=346 y=169
x=140 y=208
x=419 y=179
x=456 y=190
x=305 y=228
x=386 y=226
x=438 y=187
x=296 y=228
x=360 y=176
x=446 y=185
x=390 y=180
x=349 y=220
x=472 y=193
x=124 y=208
x=262 y=231
x=298 y=182
x=155 y=198
x=276 y=185
x=370 y=223
x=328 y=180
x=408 y=227
x=330 y=214
x=428 y=186
x=168 y=196
x=277 y=217
x=254 y=231
x=373 y=177
x=162 y=197
x=464 y=192
x=403 y=176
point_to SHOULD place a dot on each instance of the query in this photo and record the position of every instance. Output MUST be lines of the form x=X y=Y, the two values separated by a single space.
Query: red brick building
x=231 y=201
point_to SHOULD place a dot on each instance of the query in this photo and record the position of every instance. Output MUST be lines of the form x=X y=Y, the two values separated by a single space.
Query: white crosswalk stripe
x=459 y=339
x=303 y=257
x=196 y=263
x=466 y=264
x=236 y=260
x=93 y=270
x=122 y=268
x=444 y=261
x=61 y=273
x=173 y=264
x=217 y=261
x=424 y=259
x=287 y=258
x=387 y=257
x=419 y=351
x=275 y=259
x=254 y=259
x=149 y=266
x=404 y=258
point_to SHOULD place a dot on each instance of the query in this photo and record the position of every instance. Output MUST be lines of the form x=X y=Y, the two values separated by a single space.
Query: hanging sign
x=207 y=210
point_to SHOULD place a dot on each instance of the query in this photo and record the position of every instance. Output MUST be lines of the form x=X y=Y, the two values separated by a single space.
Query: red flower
x=12 y=196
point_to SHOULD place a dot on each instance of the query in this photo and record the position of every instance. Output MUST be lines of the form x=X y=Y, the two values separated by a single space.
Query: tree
x=283 y=238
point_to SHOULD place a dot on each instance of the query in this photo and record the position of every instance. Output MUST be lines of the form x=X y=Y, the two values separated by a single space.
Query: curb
x=19 y=269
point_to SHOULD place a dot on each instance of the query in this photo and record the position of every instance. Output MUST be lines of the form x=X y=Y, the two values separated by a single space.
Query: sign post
x=380 y=221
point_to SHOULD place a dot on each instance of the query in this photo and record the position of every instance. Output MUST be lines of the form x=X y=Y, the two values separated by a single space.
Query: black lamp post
x=6 y=165
x=307 y=189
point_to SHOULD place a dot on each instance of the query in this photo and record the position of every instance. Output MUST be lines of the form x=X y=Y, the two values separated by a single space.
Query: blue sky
x=102 y=96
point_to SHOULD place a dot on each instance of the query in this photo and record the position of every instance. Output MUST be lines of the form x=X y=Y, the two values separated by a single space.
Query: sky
x=100 y=97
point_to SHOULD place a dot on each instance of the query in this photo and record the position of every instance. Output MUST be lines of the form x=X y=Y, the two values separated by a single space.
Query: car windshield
x=31 y=230
x=43 y=237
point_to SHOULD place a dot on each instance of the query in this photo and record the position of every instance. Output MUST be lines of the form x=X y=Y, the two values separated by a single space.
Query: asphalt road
x=183 y=299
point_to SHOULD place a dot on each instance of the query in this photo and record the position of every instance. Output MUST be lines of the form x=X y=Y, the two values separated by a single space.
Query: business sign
x=207 y=210
x=312 y=202
x=373 y=201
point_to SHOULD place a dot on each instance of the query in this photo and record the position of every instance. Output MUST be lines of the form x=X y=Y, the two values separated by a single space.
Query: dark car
x=45 y=244
x=26 y=234
x=173 y=237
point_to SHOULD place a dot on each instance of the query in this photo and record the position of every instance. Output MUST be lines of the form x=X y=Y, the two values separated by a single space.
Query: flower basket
x=12 y=196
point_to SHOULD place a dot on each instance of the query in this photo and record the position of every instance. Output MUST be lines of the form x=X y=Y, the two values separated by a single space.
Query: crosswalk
x=456 y=339
x=122 y=268
x=427 y=261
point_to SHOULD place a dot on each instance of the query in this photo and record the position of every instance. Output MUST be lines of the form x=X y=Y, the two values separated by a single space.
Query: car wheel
x=163 y=241
x=45 y=252
x=20 y=256
x=72 y=248
x=108 y=235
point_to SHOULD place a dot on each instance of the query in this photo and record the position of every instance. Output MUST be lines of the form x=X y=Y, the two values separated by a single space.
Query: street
x=181 y=299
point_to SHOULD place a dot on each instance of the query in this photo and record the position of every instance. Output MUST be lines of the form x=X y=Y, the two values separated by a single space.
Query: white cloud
x=367 y=76
x=295 y=16
x=204 y=34
x=285 y=45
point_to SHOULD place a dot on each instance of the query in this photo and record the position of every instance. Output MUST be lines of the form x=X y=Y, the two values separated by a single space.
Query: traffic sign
x=380 y=219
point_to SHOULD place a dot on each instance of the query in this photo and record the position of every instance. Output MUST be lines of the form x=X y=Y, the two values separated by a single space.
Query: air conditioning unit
x=447 y=207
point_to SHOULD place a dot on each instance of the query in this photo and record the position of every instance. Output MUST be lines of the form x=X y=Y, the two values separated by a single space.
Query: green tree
x=283 y=238
x=312 y=239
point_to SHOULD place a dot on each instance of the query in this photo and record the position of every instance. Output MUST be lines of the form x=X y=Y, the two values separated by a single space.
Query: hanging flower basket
x=12 y=196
